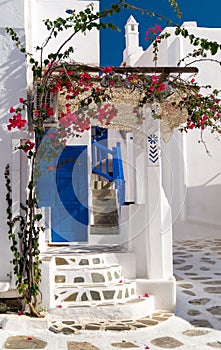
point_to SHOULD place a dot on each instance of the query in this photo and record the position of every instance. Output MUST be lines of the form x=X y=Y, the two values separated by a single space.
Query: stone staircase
x=89 y=283
x=90 y=279
x=105 y=207
x=92 y=285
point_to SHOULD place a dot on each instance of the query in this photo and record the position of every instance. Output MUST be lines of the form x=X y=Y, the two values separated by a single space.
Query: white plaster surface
x=191 y=177
x=173 y=327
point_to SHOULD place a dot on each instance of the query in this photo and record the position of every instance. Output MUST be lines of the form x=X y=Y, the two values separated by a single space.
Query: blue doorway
x=69 y=215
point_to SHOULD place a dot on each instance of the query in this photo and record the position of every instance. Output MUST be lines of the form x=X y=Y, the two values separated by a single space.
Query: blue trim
x=69 y=215
x=101 y=156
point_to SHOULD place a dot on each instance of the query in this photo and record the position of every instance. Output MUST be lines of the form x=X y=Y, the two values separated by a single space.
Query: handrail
x=100 y=166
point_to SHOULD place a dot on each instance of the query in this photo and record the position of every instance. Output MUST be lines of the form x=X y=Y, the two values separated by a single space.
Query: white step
x=92 y=294
x=131 y=310
x=105 y=275
x=84 y=261
x=102 y=230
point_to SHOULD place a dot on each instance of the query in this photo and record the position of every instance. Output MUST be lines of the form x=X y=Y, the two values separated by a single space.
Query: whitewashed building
x=191 y=176
x=120 y=252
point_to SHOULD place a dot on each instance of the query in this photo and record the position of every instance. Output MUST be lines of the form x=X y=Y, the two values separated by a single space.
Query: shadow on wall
x=203 y=203
x=5 y=254
x=5 y=2
x=12 y=73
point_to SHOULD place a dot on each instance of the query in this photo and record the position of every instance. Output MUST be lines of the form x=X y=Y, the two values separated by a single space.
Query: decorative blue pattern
x=153 y=149
x=152 y=139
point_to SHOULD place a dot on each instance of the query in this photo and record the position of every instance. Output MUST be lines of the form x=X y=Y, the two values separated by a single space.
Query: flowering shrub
x=16 y=120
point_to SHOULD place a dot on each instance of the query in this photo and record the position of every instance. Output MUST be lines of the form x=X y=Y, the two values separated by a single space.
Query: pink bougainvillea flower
x=50 y=135
x=192 y=80
x=59 y=306
x=158 y=28
x=151 y=88
x=50 y=168
x=121 y=281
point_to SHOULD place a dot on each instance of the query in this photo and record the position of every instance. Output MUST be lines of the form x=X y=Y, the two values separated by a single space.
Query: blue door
x=69 y=215
x=65 y=190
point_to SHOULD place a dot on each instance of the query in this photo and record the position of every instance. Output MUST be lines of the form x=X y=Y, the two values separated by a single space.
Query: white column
x=158 y=211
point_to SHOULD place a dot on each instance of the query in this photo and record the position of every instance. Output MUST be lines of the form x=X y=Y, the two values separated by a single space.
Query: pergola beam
x=158 y=70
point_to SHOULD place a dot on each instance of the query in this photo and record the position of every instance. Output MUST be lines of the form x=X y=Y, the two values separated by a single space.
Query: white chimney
x=132 y=51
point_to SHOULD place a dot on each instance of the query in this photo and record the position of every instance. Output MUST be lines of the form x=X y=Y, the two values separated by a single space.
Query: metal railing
x=108 y=164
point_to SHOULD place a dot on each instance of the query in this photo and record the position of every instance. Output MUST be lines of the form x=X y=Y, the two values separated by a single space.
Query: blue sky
x=205 y=13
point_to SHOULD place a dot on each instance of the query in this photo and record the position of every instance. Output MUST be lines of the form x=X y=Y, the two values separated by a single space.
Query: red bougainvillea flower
x=36 y=113
x=11 y=110
x=154 y=79
x=16 y=122
x=146 y=347
x=146 y=295
x=29 y=338
x=107 y=70
x=85 y=77
x=21 y=100
x=28 y=146
x=20 y=313
x=50 y=168
x=161 y=87
x=50 y=111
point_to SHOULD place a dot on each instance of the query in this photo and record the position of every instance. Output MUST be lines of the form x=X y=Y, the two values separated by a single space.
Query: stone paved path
x=197 y=267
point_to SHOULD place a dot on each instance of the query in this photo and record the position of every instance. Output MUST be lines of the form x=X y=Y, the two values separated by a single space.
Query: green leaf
x=177 y=31
x=38 y=217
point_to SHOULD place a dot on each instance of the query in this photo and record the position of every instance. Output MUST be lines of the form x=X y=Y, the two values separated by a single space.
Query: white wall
x=25 y=17
x=192 y=178
x=12 y=86
x=86 y=48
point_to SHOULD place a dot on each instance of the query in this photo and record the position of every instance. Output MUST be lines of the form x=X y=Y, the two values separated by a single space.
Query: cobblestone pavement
x=197 y=268
x=196 y=324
